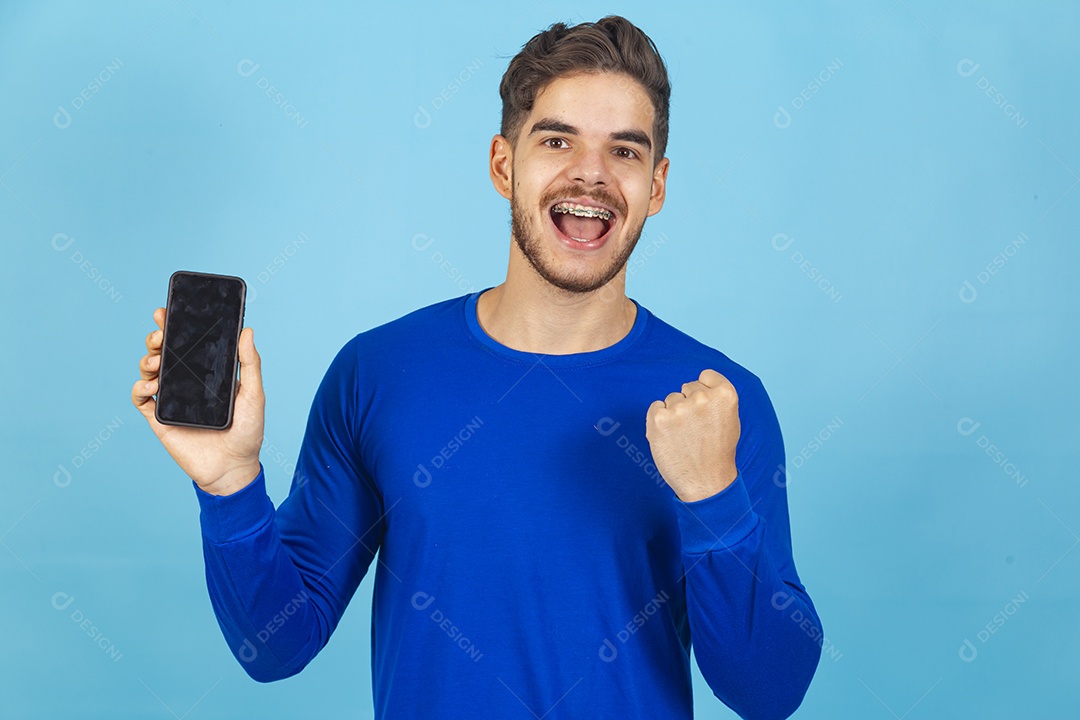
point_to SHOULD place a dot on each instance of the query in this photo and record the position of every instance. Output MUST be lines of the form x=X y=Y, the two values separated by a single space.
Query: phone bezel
x=236 y=359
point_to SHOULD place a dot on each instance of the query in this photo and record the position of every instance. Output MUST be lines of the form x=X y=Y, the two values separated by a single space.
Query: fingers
x=650 y=415
x=151 y=361
x=708 y=380
x=720 y=385
x=690 y=388
x=149 y=366
x=711 y=378
x=153 y=341
x=250 y=362
x=142 y=392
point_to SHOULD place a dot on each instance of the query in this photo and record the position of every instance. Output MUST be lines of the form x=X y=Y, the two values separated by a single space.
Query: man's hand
x=693 y=435
x=221 y=462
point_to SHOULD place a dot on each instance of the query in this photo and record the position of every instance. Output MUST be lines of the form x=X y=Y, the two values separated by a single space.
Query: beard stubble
x=531 y=244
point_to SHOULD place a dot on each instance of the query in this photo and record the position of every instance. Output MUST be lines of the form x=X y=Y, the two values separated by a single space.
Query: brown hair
x=611 y=44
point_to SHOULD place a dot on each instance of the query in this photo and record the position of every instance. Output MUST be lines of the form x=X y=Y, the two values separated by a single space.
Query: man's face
x=587 y=142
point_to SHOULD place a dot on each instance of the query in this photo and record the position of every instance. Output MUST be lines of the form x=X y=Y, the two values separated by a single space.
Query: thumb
x=250 y=362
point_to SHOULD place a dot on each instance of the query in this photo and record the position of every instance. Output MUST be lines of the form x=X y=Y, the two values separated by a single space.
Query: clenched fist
x=693 y=434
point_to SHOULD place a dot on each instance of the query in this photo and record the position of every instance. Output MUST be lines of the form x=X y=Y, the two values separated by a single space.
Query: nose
x=589 y=166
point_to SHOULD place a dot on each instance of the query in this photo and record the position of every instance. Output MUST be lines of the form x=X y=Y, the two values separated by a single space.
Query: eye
x=630 y=153
x=555 y=140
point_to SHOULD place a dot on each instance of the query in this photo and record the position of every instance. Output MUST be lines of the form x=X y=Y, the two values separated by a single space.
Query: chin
x=568 y=264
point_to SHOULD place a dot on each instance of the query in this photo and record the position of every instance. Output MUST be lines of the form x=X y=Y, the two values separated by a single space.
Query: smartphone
x=197 y=379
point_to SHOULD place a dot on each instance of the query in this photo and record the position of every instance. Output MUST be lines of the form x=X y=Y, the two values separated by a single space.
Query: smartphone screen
x=198 y=375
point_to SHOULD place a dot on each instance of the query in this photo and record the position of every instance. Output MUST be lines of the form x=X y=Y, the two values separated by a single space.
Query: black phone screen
x=197 y=377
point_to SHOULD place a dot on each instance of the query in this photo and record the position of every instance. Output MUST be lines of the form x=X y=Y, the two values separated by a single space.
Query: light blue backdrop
x=871 y=205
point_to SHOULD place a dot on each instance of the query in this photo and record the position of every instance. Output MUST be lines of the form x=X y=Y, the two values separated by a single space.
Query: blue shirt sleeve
x=755 y=632
x=279 y=580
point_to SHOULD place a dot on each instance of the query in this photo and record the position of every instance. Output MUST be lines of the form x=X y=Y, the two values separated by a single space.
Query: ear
x=659 y=186
x=500 y=166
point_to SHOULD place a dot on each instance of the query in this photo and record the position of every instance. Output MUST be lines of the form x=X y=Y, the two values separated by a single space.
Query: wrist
x=234 y=480
x=704 y=488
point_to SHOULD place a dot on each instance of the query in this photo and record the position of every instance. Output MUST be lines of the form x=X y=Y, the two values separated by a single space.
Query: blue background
x=850 y=215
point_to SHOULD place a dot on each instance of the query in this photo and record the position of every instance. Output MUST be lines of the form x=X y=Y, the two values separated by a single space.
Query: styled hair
x=611 y=44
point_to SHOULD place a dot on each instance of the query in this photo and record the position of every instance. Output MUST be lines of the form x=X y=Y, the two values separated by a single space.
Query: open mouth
x=587 y=226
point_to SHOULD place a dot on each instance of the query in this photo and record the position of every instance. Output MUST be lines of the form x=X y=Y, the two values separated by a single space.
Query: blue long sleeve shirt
x=530 y=561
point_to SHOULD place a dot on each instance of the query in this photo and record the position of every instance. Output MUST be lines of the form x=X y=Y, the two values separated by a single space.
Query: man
x=563 y=490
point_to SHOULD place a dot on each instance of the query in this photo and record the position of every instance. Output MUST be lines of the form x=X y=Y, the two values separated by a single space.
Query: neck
x=531 y=315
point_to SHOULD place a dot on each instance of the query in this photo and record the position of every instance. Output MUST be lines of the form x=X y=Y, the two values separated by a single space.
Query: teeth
x=582 y=211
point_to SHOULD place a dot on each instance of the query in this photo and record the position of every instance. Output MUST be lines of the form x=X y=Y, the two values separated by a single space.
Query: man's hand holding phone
x=221 y=462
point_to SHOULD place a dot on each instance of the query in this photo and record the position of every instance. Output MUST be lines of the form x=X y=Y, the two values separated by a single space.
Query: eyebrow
x=553 y=125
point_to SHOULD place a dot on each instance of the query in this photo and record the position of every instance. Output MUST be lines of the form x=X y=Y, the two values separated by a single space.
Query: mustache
x=600 y=196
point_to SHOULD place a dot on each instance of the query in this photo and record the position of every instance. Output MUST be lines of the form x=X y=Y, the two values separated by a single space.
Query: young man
x=565 y=492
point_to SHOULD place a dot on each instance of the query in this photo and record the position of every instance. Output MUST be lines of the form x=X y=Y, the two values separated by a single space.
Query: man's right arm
x=279 y=580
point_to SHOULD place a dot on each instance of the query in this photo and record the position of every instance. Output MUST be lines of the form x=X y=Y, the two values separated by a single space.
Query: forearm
x=273 y=620
x=747 y=622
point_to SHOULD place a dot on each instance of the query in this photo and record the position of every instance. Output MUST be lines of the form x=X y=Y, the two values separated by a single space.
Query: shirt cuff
x=718 y=521
x=225 y=518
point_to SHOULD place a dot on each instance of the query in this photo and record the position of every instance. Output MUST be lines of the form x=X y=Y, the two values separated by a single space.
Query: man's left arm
x=755 y=633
